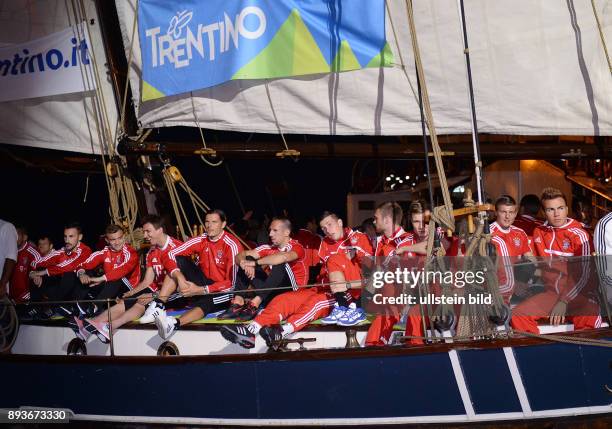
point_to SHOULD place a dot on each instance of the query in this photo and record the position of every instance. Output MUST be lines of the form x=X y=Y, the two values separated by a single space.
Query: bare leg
x=167 y=289
x=191 y=316
x=338 y=282
x=116 y=311
x=133 y=313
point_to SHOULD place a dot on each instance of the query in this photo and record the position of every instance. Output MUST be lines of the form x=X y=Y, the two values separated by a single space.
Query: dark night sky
x=44 y=201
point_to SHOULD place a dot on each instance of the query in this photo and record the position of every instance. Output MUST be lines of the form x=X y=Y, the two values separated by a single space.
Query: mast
x=475 y=139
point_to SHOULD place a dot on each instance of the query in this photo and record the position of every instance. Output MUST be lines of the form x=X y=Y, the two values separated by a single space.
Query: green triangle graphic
x=345 y=59
x=149 y=92
x=383 y=59
x=292 y=52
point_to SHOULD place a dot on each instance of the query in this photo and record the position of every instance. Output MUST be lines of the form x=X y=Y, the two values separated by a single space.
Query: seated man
x=216 y=251
x=528 y=220
x=388 y=218
x=134 y=301
x=44 y=245
x=511 y=243
x=286 y=270
x=310 y=241
x=54 y=272
x=568 y=283
x=121 y=267
x=420 y=216
x=19 y=289
x=343 y=252
x=162 y=263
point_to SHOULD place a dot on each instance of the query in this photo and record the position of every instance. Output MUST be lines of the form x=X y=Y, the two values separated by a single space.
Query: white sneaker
x=165 y=326
x=335 y=315
x=152 y=312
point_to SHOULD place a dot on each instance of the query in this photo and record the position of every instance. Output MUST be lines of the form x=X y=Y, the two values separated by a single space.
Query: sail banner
x=55 y=64
x=190 y=44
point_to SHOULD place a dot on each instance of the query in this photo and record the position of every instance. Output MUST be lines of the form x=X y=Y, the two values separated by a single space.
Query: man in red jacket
x=120 y=264
x=19 y=288
x=343 y=253
x=569 y=287
x=53 y=275
x=210 y=286
x=388 y=218
x=528 y=219
x=284 y=260
x=134 y=301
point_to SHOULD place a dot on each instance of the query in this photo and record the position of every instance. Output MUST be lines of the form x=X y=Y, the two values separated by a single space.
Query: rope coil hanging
x=122 y=197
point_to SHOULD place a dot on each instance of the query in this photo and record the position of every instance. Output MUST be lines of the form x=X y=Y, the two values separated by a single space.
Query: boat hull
x=484 y=381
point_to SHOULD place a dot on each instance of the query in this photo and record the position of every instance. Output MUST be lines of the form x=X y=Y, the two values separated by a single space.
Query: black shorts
x=208 y=305
x=129 y=303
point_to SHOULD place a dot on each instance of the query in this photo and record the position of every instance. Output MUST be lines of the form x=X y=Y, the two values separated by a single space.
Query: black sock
x=161 y=304
x=341 y=299
x=177 y=324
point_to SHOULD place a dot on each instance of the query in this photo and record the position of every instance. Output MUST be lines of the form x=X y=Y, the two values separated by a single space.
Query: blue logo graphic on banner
x=190 y=44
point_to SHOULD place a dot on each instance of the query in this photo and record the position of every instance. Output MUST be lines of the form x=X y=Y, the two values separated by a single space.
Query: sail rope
x=202 y=155
x=122 y=196
x=172 y=177
x=287 y=151
x=441 y=215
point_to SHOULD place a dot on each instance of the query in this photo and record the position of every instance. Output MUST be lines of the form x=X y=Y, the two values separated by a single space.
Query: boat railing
x=452 y=298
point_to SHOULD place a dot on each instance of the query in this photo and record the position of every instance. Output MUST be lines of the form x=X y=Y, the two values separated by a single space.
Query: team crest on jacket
x=219 y=254
x=353 y=240
x=517 y=242
x=566 y=244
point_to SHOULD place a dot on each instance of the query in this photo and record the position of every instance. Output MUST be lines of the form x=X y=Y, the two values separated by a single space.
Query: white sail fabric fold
x=538 y=68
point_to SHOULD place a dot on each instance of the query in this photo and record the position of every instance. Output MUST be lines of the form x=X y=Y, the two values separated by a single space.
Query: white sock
x=254 y=328
x=287 y=329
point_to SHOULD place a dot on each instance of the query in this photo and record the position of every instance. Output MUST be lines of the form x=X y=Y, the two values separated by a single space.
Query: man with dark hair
x=567 y=281
x=369 y=229
x=528 y=220
x=161 y=262
x=388 y=217
x=343 y=252
x=53 y=275
x=309 y=239
x=44 y=245
x=284 y=257
x=134 y=300
x=19 y=288
x=121 y=268
x=216 y=250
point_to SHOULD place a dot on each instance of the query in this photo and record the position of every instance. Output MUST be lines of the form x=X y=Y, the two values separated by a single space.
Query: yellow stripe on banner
x=149 y=92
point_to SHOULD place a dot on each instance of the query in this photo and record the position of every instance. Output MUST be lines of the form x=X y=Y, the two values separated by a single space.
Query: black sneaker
x=238 y=335
x=248 y=312
x=232 y=312
x=271 y=334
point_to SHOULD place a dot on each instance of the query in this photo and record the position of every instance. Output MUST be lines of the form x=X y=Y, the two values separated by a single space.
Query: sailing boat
x=447 y=382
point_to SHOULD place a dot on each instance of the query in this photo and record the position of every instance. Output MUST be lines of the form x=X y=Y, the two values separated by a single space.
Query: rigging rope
x=195 y=117
x=441 y=215
x=122 y=195
x=172 y=176
x=601 y=35
x=292 y=154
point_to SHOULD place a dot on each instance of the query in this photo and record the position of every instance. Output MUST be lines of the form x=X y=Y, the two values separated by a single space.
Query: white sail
x=539 y=68
x=68 y=121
